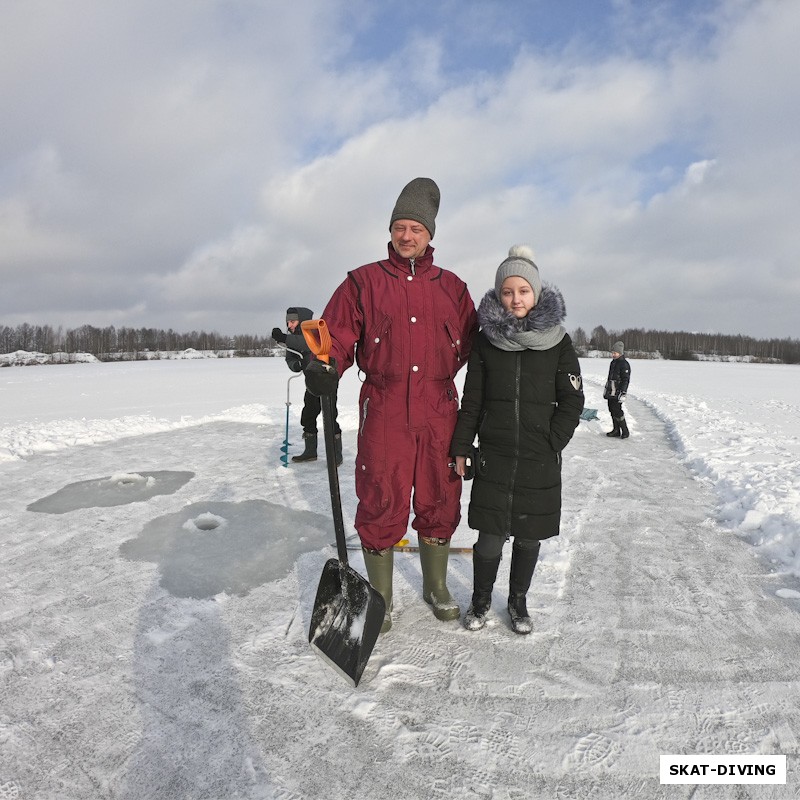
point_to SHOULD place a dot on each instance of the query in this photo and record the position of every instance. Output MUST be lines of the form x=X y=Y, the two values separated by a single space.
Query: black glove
x=278 y=335
x=321 y=378
x=473 y=465
x=469 y=467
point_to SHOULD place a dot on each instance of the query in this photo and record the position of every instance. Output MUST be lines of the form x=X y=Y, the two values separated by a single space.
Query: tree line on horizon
x=107 y=344
x=686 y=346
x=111 y=343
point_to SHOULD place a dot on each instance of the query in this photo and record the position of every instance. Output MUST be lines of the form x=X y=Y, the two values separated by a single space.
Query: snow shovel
x=348 y=611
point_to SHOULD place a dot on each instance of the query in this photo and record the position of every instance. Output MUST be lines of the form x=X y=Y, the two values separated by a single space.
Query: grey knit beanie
x=520 y=263
x=618 y=347
x=419 y=201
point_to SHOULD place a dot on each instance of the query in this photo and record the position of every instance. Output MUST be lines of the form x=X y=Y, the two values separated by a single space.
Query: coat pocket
x=377 y=333
x=455 y=339
x=376 y=350
x=448 y=350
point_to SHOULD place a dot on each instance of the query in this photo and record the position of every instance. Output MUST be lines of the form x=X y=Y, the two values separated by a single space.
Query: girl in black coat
x=523 y=398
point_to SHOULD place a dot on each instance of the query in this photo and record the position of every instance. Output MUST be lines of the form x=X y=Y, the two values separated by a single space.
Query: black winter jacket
x=524 y=406
x=297 y=342
x=619 y=376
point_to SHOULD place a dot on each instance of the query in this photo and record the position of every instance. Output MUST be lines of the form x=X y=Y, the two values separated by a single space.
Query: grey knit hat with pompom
x=519 y=263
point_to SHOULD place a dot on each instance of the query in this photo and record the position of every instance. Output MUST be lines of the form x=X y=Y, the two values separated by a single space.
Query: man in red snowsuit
x=409 y=326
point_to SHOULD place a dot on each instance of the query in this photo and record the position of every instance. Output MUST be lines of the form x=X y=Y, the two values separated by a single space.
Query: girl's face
x=516 y=295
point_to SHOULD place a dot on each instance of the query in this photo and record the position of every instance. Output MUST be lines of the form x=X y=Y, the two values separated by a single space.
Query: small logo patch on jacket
x=575 y=380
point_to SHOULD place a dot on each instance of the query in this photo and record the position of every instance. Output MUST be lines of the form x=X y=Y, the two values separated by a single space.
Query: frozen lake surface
x=159 y=566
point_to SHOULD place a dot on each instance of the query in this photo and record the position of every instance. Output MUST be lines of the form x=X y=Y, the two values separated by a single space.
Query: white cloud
x=216 y=162
x=696 y=172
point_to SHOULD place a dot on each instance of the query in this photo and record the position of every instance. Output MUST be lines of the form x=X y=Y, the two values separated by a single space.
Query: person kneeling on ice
x=409 y=324
x=523 y=397
x=619 y=377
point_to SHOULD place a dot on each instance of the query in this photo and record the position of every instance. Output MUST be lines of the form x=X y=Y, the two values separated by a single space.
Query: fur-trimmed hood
x=540 y=329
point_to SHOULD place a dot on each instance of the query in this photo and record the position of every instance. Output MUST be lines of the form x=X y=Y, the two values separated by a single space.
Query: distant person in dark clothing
x=298 y=355
x=619 y=376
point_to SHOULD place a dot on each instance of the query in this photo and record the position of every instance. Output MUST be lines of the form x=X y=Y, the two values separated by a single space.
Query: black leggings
x=490 y=545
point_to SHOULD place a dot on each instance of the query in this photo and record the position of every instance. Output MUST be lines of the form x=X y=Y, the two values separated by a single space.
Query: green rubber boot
x=380 y=566
x=433 y=555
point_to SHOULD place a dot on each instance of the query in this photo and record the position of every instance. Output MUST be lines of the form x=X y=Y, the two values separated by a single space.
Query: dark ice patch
x=208 y=548
x=114 y=490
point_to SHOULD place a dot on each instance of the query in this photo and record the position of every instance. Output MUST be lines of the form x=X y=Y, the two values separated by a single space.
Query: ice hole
x=117 y=489
x=212 y=547
x=132 y=479
x=205 y=522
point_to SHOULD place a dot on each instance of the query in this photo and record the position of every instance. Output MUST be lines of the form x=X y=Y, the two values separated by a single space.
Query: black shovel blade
x=347 y=618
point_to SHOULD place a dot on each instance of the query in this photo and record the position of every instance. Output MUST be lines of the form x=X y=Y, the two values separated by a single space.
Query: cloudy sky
x=205 y=163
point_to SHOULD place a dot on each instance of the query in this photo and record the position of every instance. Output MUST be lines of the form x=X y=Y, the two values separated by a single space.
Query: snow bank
x=23 y=358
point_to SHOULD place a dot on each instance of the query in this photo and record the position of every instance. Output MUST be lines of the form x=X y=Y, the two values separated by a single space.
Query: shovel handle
x=318 y=338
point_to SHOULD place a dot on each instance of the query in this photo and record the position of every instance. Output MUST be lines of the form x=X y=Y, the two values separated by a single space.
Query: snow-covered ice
x=157 y=646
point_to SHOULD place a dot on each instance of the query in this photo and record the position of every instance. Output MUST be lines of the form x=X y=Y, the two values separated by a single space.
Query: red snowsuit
x=412 y=329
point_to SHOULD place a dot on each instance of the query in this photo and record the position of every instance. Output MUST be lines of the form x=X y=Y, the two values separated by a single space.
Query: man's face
x=292 y=325
x=409 y=238
x=615 y=354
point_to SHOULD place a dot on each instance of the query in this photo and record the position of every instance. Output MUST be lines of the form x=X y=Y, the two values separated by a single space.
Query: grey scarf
x=540 y=330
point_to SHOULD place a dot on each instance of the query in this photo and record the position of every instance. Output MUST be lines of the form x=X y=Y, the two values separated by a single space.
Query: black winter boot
x=523 y=563
x=310 y=453
x=484 y=572
x=623 y=428
x=616 y=431
x=337 y=449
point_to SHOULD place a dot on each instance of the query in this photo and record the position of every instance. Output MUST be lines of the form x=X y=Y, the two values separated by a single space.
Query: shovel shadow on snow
x=196 y=735
x=196 y=738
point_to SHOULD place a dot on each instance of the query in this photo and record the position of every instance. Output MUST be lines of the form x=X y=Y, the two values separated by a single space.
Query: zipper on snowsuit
x=411 y=262
x=363 y=416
